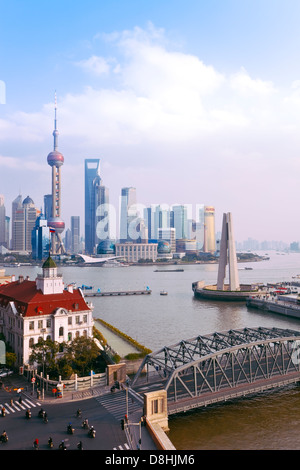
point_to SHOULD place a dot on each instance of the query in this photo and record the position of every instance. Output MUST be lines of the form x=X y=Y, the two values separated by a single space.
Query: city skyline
x=189 y=105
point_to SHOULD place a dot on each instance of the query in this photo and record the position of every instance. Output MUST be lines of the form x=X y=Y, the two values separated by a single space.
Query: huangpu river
x=266 y=421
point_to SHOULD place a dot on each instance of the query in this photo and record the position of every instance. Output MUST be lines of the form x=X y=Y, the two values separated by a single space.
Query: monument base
x=211 y=292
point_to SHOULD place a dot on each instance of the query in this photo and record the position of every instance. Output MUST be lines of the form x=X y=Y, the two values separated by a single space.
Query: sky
x=190 y=102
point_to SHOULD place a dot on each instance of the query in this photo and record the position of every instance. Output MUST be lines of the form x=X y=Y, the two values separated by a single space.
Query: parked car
x=5 y=372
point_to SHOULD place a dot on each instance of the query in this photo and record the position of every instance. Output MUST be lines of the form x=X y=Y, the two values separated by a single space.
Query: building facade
x=133 y=252
x=75 y=234
x=41 y=309
x=40 y=238
x=24 y=219
x=96 y=201
x=209 y=230
x=128 y=214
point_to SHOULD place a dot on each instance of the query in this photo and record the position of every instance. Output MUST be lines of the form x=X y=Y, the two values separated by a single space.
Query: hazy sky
x=193 y=101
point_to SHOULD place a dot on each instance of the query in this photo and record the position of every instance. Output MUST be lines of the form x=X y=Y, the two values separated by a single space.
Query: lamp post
x=43 y=330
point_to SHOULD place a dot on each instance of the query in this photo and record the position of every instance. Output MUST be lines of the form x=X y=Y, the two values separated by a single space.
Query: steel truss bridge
x=221 y=366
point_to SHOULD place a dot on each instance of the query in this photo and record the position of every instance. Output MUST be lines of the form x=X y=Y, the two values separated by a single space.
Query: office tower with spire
x=55 y=159
x=96 y=203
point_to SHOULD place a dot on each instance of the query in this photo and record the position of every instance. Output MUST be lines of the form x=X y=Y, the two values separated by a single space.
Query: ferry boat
x=163 y=292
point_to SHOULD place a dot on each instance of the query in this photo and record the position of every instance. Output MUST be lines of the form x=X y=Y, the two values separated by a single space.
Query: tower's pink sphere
x=55 y=158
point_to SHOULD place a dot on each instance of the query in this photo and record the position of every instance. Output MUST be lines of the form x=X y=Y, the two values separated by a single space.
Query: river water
x=267 y=421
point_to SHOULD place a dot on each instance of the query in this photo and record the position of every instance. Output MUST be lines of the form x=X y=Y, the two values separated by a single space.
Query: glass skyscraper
x=96 y=197
x=128 y=213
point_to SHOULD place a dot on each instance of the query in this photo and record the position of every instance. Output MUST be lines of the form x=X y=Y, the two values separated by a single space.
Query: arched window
x=77 y=334
x=69 y=336
x=85 y=333
x=61 y=331
x=31 y=342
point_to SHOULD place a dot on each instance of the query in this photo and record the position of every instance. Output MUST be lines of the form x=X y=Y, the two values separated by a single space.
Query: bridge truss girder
x=210 y=364
x=233 y=368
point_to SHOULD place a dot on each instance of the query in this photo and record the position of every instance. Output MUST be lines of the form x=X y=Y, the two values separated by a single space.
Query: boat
x=168 y=270
x=163 y=292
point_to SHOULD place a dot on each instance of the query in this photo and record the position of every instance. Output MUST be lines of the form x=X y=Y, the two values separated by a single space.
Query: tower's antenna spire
x=55 y=132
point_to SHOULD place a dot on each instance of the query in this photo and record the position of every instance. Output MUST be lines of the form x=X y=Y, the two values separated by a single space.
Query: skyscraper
x=180 y=221
x=75 y=233
x=2 y=222
x=128 y=213
x=209 y=229
x=96 y=200
x=24 y=221
x=40 y=238
x=16 y=205
x=55 y=159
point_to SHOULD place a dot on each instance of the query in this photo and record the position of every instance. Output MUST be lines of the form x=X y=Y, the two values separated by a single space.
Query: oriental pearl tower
x=55 y=159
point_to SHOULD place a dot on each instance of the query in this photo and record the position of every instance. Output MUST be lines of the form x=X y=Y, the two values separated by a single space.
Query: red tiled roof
x=31 y=302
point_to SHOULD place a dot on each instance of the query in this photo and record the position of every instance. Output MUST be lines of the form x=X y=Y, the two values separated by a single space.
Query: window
x=77 y=319
x=31 y=342
x=31 y=325
x=40 y=324
x=69 y=336
x=85 y=318
x=48 y=322
x=61 y=331
x=157 y=406
x=69 y=320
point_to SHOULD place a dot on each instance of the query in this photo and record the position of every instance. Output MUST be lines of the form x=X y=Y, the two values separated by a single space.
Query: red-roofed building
x=44 y=308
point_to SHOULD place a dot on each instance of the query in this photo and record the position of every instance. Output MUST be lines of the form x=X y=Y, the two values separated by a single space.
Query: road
x=22 y=432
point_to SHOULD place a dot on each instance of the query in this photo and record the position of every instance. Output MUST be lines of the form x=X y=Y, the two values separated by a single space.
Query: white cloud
x=241 y=82
x=95 y=65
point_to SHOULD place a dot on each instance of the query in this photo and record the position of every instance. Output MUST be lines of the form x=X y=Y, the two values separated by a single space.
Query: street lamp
x=43 y=330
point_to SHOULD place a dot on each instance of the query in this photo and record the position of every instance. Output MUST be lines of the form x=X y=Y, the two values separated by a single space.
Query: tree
x=44 y=353
x=82 y=353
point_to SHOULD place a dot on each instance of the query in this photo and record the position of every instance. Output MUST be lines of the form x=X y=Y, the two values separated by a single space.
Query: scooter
x=92 y=432
x=70 y=430
x=85 y=424
x=4 y=438
x=28 y=414
x=62 y=446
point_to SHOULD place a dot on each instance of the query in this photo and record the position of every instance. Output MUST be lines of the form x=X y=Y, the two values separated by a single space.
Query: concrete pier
x=116 y=293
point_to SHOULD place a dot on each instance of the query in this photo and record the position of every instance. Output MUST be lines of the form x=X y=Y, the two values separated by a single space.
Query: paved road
x=103 y=412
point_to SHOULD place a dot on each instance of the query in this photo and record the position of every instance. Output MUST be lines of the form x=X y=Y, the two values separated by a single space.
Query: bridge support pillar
x=156 y=410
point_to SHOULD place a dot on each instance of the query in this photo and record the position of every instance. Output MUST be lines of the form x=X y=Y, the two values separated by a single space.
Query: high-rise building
x=75 y=234
x=2 y=222
x=16 y=205
x=48 y=206
x=96 y=203
x=209 y=229
x=23 y=224
x=55 y=159
x=180 y=221
x=40 y=238
x=128 y=214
